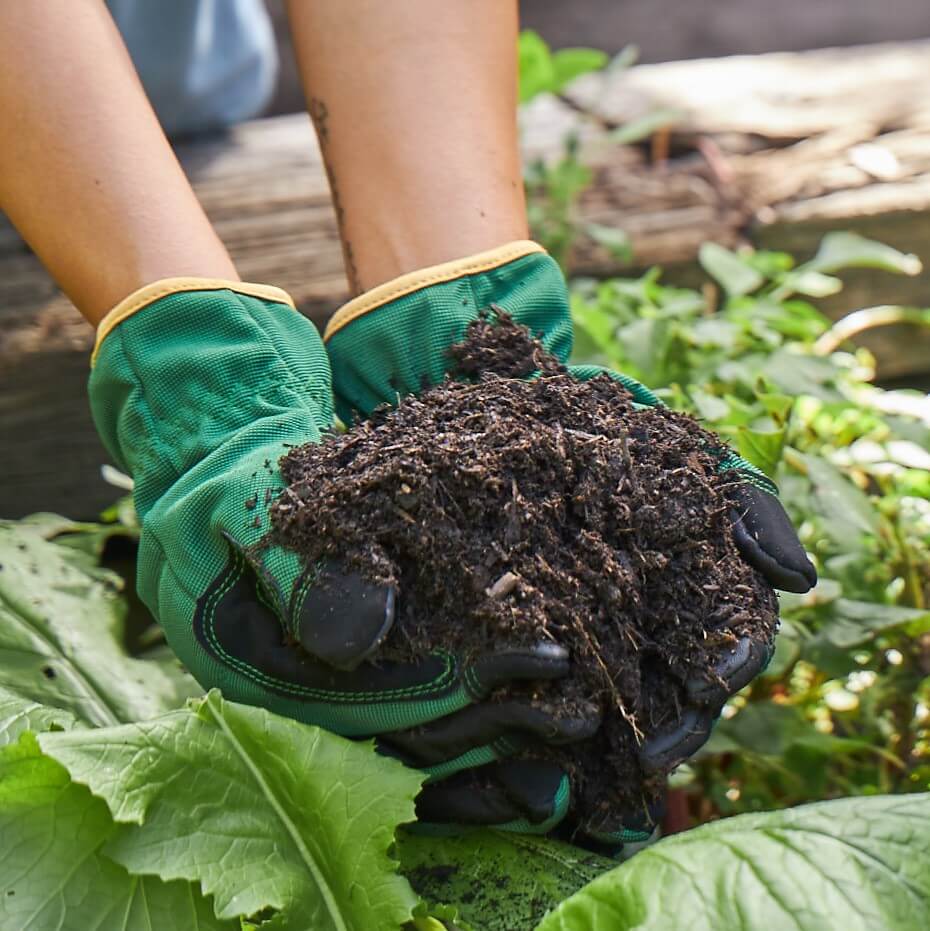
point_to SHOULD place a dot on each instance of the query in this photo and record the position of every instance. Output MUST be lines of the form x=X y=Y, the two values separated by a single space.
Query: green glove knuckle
x=622 y=836
x=496 y=750
x=477 y=756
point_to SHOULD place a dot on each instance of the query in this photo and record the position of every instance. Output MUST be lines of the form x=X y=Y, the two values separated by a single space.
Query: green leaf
x=796 y=374
x=850 y=250
x=537 y=73
x=571 y=63
x=848 y=623
x=123 y=513
x=544 y=71
x=20 y=714
x=763 y=448
x=262 y=811
x=848 y=514
x=614 y=240
x=645 y=343
x=61 y=635
x=83 y=537
x=715 y=331
x=809 y=283
x=734 y=275
x=771 y=264
x=858 y=864
x=769 y=729
x=708 y=406
x=778 y=406
x=787 y=651
x=53 y=874
x=499 y=882
x=795 y=319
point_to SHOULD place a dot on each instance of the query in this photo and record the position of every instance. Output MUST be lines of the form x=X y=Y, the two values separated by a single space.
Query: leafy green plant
x=261 y=828
x=62 y=628
x=553 y=192
x=54 y=872
x=554 y=187
x=498 y=881
x=545 y=71
x=847 y=864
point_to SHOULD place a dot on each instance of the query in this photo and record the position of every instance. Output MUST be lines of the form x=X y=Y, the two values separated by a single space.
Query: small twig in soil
x=503 y=586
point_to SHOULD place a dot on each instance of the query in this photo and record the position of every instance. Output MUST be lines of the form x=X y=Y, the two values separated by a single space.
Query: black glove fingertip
x=501 y=725
x=665 y=751
x=531 y=790
x=766 y=539
x=798 y=578
x=341 y=617
x=735 y=669
x=543 y=661
x=533 y=784
x=632 y=827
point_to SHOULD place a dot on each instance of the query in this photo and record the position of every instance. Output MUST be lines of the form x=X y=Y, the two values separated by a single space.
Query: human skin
x=414 y=103
x=86 y=173
x=415 y=106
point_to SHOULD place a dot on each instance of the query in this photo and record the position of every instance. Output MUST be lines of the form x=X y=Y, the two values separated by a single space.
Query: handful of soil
x=509 y=512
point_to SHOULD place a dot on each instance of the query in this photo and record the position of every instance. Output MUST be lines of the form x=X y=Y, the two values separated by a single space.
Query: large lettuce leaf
x=497 y=881
x=268 y=815
x=859 y=864
x=19 y=714
x=61 y=633
x=53 y=874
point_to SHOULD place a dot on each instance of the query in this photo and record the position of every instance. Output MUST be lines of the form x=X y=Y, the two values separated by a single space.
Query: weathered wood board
x=773 y=150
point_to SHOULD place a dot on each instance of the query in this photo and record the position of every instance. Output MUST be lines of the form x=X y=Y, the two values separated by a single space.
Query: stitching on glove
x=307 y=581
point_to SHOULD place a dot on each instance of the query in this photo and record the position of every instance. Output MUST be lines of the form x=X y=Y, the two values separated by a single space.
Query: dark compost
x=511 y=510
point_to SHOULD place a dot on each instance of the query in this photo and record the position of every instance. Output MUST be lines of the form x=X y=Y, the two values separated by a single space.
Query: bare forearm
x=86 y=174
x=415 y=105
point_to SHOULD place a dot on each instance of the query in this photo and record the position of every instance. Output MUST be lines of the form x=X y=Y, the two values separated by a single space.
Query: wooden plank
x=788 y=95
x=774 y=150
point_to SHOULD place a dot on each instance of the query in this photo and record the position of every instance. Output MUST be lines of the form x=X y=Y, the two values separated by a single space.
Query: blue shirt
x=203 y=63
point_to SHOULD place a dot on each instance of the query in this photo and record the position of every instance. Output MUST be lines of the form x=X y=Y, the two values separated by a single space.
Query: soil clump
x=510 y=510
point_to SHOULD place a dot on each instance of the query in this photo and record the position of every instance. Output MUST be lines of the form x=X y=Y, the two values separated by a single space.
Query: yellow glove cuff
x=147 y=295
x=435 y=274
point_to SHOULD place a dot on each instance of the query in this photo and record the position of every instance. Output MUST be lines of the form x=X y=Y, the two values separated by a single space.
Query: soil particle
x=509 y=511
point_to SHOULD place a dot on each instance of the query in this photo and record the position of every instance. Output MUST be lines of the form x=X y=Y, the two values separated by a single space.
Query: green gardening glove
x=394 y=340
x=198 y=388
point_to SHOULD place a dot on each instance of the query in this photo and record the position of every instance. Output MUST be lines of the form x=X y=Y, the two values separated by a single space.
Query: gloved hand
x=394 y=340
x=198 y=388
